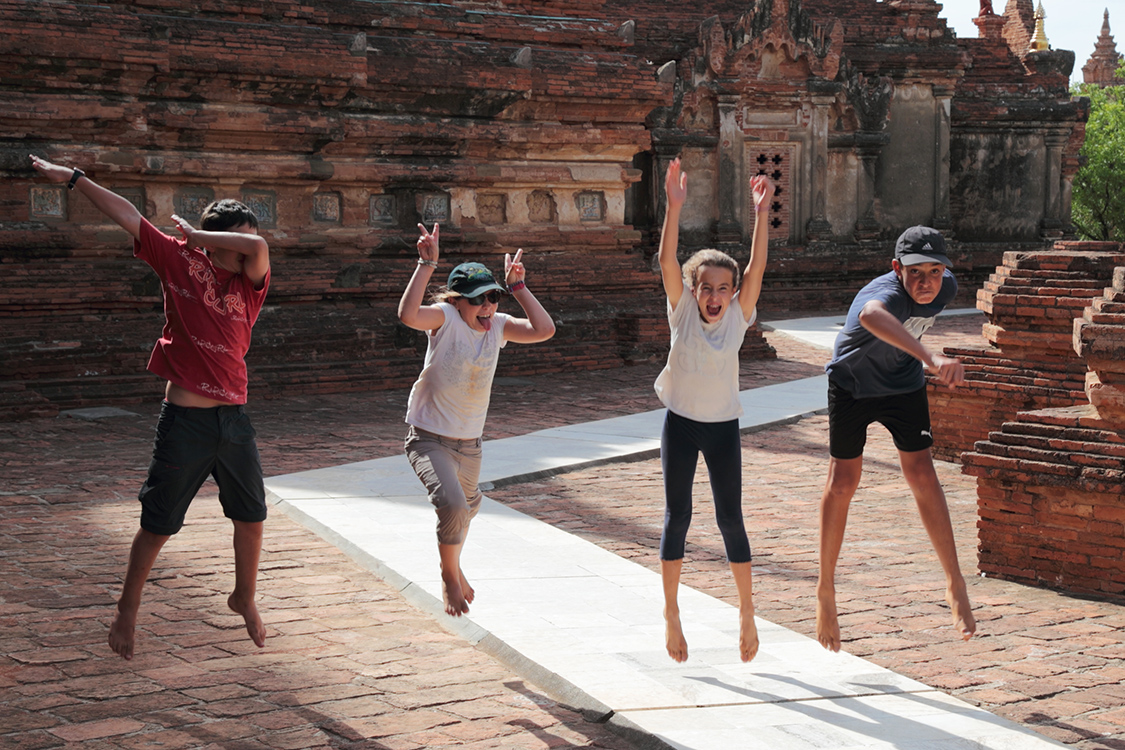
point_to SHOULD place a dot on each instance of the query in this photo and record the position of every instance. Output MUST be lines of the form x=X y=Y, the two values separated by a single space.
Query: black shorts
x=191 y=445
x=905 y=415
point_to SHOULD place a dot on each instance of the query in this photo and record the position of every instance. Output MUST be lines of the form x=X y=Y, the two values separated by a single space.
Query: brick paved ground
x=350 y=664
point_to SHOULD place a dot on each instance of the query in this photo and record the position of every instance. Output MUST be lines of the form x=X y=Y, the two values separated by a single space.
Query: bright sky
x=1070 y=24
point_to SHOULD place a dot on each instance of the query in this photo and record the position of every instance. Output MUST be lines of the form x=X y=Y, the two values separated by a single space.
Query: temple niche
x=514 y=124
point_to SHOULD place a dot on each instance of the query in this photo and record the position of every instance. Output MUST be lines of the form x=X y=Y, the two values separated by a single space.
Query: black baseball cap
x=921 y=245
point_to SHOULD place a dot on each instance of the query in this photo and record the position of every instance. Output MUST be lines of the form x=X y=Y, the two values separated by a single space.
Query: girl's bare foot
x=455 y=604
x=963 y=620
x=747 y=634
x=249 y=612
x=827 y=624
x=467 y=590
x=674 y=636
x=122 y=634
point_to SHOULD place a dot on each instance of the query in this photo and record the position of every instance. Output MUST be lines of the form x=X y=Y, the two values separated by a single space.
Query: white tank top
x=700 y=381
x=450 y=397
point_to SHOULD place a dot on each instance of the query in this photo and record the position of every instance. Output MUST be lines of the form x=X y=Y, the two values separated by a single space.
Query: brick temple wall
x=345 y=123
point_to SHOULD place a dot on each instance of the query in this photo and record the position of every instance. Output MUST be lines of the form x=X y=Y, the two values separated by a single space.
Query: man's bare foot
x=827 y=624
x=467 y=590
x=122 y=634
x=249 y=612
x=963 y=620
x=455 y=604
x=674 y=636
x=747 y=634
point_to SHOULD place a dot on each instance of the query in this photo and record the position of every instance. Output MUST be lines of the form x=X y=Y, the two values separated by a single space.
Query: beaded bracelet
x=516 y=287
x=430 y=263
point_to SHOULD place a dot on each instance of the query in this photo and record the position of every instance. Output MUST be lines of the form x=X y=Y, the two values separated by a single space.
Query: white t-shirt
x=700 y=381
x=450 y=397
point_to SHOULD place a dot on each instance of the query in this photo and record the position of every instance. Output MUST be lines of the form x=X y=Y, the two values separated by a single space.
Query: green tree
x=1098 y=205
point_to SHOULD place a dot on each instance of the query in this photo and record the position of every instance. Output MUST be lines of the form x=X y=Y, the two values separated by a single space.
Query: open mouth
x=714 y=310
x=485 y=322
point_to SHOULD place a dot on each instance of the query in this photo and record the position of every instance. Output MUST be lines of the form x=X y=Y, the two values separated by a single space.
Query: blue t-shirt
x=864 y=365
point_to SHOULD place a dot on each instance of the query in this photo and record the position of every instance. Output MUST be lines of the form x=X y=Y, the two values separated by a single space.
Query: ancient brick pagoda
x=1101 y=68
x=541 y=125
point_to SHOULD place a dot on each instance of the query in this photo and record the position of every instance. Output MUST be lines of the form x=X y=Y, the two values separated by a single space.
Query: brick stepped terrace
x=1051 y=482
x=1032 y=301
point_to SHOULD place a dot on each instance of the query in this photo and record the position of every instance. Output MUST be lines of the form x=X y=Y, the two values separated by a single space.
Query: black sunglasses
x=493 y=296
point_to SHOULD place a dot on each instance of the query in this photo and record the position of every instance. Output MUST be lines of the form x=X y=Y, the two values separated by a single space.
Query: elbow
x=545 y=330
x=868 y=314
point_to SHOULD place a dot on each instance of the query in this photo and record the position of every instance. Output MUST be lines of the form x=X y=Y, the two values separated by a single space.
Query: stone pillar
x=868 y=148
x=728 y=230
x=943 y=99
x=1052 y=224
x=991 y=26
x=818 y=227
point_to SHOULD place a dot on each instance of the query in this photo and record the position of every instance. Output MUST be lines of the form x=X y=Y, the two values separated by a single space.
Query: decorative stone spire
x=1101 y=68
x=1039 y=42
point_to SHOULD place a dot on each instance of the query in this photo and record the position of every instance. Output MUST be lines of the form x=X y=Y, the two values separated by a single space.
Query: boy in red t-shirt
x=211 y=301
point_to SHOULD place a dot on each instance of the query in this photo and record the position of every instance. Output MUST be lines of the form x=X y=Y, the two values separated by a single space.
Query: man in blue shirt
x=876 y=375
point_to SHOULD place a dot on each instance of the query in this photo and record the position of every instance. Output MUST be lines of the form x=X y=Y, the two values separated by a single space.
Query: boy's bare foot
x=963 y=620
x=122 y=634
x=455 y=604
x=747 y=634
x=674 y=637
x=467 y=590
x=827 y=624
x=249 y=612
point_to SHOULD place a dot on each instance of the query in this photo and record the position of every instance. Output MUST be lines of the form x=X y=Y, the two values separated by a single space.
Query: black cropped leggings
x=681 y=442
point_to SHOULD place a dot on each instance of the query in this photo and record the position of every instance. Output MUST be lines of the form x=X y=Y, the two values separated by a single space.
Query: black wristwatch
x=74 y=178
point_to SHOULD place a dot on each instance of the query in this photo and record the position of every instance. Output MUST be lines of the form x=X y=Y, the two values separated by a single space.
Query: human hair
x=710 y=257
x=225 y=214
x=444 y=294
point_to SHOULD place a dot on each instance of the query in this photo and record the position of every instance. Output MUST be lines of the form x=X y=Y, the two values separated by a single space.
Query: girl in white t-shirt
x=699 y=385
x=449 y=401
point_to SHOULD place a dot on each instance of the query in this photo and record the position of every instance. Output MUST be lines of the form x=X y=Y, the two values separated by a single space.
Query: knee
x=453 y=521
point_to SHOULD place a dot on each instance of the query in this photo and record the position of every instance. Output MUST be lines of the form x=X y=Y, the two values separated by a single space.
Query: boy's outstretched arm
x=538 y=325
x=875 y=317
x=116 y=208
x=751 y=287
x=411 y=311
x=675 y=189
x=254 y=248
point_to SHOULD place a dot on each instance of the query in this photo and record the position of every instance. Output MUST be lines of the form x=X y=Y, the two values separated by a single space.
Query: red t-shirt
x=208 y=315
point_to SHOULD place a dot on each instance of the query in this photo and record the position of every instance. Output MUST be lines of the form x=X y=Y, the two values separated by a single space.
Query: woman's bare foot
x=122 y=634
x=827 y=623
x=963 y=620
x=467 y=590
x=249 y=612
x=674 y=636
x=747 y=634
x=455 y=604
